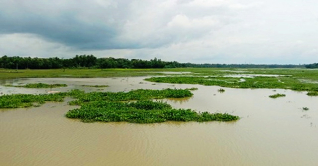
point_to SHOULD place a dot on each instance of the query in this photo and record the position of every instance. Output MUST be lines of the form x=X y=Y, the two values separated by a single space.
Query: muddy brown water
x=270 y=131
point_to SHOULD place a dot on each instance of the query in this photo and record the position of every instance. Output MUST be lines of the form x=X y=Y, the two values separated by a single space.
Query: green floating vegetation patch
x=277 y=95
x=139 y=94
x=39 y=85
x=134 y=106
x=221 y=90
x=193 y=88
x=312 y=93
x=281 y=82
x=141 y=112
x=29 y=100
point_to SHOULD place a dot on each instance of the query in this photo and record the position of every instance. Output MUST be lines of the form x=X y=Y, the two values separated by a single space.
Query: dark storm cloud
x=106 y=24
x=84 y=26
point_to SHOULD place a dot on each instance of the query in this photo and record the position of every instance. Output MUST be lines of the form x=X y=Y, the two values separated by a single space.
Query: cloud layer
x=199 y=31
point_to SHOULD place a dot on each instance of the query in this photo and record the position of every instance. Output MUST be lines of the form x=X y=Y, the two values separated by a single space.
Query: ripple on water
x=270 y=132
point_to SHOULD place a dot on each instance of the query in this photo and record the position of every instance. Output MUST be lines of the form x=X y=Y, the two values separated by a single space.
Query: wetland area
x=280 y=130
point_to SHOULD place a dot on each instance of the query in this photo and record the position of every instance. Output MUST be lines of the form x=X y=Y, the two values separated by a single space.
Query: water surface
x=270 y=131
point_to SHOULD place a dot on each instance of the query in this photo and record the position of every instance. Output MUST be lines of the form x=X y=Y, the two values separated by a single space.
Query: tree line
x=82 y=61
x=312 y=66
x=90 y=61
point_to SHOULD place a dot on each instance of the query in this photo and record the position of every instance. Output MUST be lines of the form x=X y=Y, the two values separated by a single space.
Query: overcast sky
x=197 y=31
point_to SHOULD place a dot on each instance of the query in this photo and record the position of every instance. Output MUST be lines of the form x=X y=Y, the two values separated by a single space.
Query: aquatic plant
x=139 y=94
x=312 y=93
x=138 y=108
x=39 y=85
x=305 y=108
x=193 y=88
x=28 y=100
x=141 y=112
x=135 y=106
x=221 y=90
x=277 y=95
x=279 y=82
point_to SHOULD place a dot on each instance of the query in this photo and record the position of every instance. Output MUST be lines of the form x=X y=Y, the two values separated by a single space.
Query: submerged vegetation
x=277 y=95
x=39 y=85
x=135 y=106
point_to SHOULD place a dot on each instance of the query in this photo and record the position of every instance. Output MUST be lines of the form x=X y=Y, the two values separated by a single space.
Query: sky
x=196 y=31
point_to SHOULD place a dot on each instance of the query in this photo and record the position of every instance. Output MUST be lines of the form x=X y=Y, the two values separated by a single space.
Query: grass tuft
x=277 y=95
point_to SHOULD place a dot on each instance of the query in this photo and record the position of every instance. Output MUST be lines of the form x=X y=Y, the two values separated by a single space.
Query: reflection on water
x=270 y=131
x=179 y=101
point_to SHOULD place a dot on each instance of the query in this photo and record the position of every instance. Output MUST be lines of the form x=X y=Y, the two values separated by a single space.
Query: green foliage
x=134 y=106
x=221 y=90
x=109 y=107
x=281 y=82
x=277 y=95
x=141 y=112
x=139 y=94
x=39 y=85
x=205 y=116
x=90 y=61
x=312 y=93
x=28 y=100
x=193 y=88
x=312 y=66
x=82 y=61
x=150 y=105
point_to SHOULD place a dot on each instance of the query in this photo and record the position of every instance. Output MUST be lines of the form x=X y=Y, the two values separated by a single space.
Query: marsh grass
x=39 y=85
x=285 y=78
x=77 y=73
x=277 y=95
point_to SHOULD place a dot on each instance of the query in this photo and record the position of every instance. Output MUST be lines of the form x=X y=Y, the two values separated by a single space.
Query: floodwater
x=270 y=131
